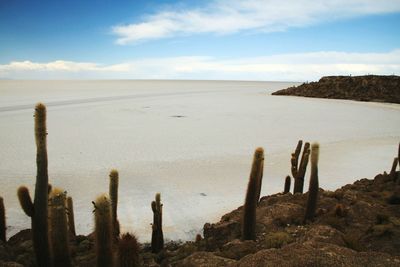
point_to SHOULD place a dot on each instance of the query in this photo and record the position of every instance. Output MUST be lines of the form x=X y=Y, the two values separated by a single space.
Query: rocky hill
x=361 y=88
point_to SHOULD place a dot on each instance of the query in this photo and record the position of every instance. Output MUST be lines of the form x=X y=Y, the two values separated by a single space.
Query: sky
x=266 y=40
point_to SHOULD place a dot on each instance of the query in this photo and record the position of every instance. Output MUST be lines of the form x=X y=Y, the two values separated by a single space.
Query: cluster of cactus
x=298 y=169
x=314 y=184
x=157 y=236
x=58 y=229
x=252 y=196
x=2 y=221
x=37 y=209
x=53 y=217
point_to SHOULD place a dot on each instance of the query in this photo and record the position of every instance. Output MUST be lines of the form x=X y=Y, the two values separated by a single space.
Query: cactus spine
x=59 y=229
x=38 y=209
x=314 y=185
x=250 y=205
x=103 y=232
x=299 y=169
x=113 y=192
x=128 y=251
x=2 y=221
x=71 y=217
x=157 y=237
x=287 y=185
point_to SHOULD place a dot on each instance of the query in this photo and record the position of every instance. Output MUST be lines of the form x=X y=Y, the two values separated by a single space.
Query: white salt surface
x=190 y=140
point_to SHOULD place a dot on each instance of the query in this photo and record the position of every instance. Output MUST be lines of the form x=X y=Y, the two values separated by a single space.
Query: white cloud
x=227 y=17
x=289 y=67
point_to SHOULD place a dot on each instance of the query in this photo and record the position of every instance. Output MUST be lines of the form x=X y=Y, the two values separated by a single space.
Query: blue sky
x=220 y=39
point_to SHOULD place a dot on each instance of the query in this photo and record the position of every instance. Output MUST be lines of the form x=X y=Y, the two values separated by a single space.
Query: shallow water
x=190 y=140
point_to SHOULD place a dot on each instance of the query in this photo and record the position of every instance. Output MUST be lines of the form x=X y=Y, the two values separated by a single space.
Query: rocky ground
x=362 y=88
x=356 y=225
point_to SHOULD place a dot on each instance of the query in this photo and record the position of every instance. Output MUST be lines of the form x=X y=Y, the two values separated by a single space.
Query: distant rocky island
x=374 y=88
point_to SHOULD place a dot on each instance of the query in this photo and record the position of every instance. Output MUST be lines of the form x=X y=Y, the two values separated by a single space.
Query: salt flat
x=190 y=140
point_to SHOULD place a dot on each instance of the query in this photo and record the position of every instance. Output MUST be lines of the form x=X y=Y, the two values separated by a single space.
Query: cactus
x=2 y=221
x=260 y=171
x=128 y=251
x=38 y=209
x=287 y=185
x=103 y=232
x=157 y=237
x=58 y=229
x=299 y=169
x=71 y=217
x=314 y=186
x=394 y=167
x=250 y=205
x=113 y=192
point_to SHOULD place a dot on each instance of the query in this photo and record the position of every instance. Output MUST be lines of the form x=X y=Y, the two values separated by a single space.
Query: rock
x=316 y=254
x=237 y=249
x=10 y=264
x=325 y=234
x=204 y=259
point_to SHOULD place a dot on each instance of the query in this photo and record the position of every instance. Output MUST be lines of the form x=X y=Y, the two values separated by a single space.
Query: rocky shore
x=356 y=225
x=361 y=88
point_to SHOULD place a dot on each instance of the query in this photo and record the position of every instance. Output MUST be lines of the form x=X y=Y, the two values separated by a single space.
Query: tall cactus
x=299 y=169
x=2 y=221
x=38 y=209
x=314 y=185
x=59 y=229
x=128 y=251
x=250 y=205
x=103 y=232
x=113 y=192
x=157 y=237
x=71 y=217
x=287 y=185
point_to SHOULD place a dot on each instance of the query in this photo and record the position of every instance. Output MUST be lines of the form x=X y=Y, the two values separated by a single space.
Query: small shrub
x=382 y=230
x=277 y=240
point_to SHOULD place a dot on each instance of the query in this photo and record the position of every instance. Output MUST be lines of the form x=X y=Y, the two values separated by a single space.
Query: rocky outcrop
x=361 y=88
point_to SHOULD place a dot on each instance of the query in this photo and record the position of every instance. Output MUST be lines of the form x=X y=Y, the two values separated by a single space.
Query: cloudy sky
x=292 y=40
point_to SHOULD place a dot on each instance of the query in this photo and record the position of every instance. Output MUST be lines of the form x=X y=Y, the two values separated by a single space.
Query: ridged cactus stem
x=128 y=251
x=260 y=173
x=299 y=169
x=314 y=185
x=287 y=185
x=250 y=205
x=2 y=221
x=113 y=192
x=157 y=237
x=37 y=210
x=25 y=200
x=71 y=217
x=59 y=240
x=394 y=167
x=103 y=232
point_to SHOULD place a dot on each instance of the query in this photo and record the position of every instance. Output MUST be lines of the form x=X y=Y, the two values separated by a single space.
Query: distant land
x=374 y=88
